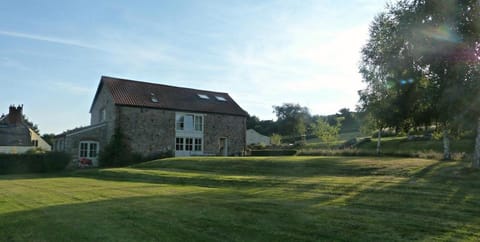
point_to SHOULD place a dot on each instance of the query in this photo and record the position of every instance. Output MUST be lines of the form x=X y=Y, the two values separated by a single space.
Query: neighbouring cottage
x=158 y=118
x=255 y=138
x=16 y=136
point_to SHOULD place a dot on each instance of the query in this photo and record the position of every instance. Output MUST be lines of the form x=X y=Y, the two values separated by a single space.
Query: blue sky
x=264 y=53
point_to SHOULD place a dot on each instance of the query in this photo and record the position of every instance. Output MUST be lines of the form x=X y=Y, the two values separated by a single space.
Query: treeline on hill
x=421 y=65
x=294 y=122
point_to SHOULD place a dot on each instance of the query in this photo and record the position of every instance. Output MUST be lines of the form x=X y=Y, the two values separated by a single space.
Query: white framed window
x=179 y=143
x=180 y=124
x=189 y=144
x=189 y=122
x=198 y=144
x=188 y=119
x=88 y=149
x=83 y=149
x=198 y=123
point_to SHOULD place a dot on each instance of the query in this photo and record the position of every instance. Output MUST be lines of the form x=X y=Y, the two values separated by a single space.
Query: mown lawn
x=247 y=199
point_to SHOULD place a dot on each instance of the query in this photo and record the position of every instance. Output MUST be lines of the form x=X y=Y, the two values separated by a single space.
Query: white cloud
x=50 y=39
x=304 y=64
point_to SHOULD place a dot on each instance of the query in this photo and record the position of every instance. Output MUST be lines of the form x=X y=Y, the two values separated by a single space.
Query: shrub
x=273 y=152
x=33 y=163
x=118 y=153
x=276 y=139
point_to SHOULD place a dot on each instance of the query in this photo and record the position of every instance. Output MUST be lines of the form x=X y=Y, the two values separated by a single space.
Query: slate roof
x=143 y=94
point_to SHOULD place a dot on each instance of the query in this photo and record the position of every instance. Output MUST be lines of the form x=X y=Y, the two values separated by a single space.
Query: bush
x=33 y=163
x=273 y=152
x=118 y=153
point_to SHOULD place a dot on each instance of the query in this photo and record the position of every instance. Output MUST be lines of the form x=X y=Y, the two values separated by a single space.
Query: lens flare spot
x=443 y=32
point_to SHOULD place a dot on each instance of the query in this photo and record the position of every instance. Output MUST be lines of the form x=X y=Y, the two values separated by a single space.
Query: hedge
x=33 y=163
x=273 y=152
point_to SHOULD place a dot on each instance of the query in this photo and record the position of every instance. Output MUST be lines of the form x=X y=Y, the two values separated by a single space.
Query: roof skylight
x=220 y=98
x=153 y=98
x=203 y=96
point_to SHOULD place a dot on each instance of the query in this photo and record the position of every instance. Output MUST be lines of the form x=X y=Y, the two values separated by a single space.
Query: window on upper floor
x=189 y=122
x=198 y=123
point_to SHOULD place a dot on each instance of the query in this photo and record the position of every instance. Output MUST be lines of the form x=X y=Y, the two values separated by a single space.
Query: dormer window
x=203 y=96
x=220 y=98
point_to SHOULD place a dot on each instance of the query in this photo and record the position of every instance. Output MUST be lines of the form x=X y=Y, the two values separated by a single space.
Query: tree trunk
x=379 y=140
x=476 y=155
x=446 y=146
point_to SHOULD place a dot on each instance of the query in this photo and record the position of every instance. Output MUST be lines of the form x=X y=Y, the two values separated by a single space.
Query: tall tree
x=292 y=119
x=445 y=35
x=418 y=63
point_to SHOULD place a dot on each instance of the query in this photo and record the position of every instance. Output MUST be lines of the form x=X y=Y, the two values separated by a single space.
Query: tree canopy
x=421 y=65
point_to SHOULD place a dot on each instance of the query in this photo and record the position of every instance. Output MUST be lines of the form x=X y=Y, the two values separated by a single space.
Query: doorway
x=223 y=146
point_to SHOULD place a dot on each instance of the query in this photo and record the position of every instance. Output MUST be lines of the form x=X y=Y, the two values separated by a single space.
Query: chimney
x=15 y=114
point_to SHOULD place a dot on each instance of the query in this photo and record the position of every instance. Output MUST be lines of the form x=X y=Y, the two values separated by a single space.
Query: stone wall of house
x=104 y=100
x=219 y=126
x=149 y=131
x=92 y=133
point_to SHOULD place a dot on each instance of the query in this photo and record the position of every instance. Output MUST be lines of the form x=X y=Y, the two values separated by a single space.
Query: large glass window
x=198 y=144
x=189 y=122
x=179 y=144
x=188 y=144
x=180 y=123
x=83 y=149
x=93 y=150
x=198 y=123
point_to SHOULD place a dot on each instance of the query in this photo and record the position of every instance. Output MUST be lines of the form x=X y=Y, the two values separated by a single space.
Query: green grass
x=393 y=146
x=396 y=144
x=247 y=199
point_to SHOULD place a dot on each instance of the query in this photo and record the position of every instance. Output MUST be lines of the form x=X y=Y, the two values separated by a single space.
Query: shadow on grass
x=418 y=208
x=203 y=216
x=242 y=173
x=272 y=166
x=439 y=202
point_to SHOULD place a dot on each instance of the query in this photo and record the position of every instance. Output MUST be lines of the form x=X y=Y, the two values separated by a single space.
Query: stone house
x=157 y=118
x=16 y=136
